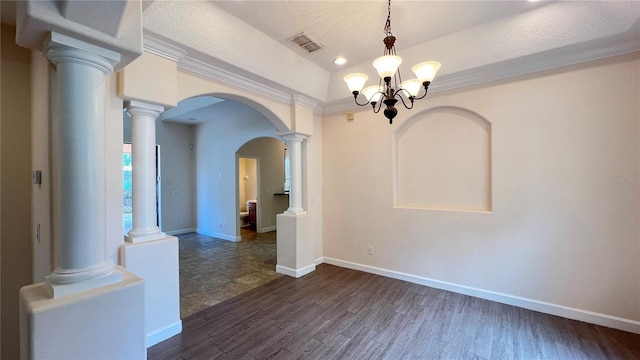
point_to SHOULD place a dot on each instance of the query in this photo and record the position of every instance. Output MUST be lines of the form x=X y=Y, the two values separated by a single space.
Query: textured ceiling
x=244 y=43
x=354 y=29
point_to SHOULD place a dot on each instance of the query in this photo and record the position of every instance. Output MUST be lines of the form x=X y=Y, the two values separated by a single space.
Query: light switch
x=36 y=177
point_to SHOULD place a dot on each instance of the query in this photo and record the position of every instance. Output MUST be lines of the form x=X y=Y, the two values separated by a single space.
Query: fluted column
x=294 y=142
x=79 y=166
x=143 y=161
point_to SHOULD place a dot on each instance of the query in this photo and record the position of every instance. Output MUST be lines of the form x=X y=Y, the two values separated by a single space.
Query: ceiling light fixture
x=388 y=69
x=340 y=61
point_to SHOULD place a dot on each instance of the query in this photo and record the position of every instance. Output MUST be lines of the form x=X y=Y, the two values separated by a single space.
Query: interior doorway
x=248 y=192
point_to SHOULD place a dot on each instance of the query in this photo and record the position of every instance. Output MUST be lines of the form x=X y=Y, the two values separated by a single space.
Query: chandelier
x=388 y=92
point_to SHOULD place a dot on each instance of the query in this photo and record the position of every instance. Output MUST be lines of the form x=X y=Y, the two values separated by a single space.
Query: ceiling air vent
x=305 y=42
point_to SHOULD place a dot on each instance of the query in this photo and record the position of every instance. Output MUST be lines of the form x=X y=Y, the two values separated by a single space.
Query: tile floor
x=213 y=270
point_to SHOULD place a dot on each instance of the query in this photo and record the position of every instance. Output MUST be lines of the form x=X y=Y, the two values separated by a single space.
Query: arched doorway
x=205 y=133
x=261 y=183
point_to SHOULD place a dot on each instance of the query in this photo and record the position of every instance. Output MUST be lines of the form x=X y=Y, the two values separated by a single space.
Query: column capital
x=290 y=137
x=64 y=49
x=144 y=108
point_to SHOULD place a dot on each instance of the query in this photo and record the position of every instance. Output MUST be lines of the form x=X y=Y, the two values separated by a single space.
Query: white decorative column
x=79 y=166
x=143 y=156
x=86 y=299
x=295 y=251
x=294 y=142
x=149 y=252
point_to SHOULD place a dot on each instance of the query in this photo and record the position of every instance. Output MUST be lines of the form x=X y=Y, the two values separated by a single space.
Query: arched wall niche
x=442 y=161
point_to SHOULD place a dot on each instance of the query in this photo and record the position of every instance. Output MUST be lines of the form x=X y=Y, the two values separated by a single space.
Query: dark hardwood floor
x=336 y=313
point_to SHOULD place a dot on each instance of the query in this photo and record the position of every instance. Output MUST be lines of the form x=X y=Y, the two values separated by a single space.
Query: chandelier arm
x=399 y=95
x=373 y=104
x=355 y=98
x=426 y=90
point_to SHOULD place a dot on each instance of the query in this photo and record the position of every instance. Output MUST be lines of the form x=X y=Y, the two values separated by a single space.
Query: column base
x=66 y=282
x=296 y=211
x=296 y=273
x=105 y=322
x=140 y=236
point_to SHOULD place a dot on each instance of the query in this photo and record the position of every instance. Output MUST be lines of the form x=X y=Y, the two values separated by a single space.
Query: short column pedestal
x=157 y=263
x=102 y=323
x=294 y=245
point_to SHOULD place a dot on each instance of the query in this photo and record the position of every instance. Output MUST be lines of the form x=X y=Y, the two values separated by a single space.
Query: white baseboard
x=181 y=231
x=318 y=261
x=296 y=273
x=164 y=333
x=267 y=229
x=541 y=306
x=219 y=235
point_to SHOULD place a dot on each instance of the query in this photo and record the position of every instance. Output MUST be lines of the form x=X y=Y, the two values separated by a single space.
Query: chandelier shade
x=391 y=89
x=373 y=93
x=387 y=65
x=356 y=81
x=426 y=71
x=412 y=86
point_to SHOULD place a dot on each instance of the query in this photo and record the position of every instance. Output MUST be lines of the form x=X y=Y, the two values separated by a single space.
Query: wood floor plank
x=336 y=313
x=360 y=344
x=398 y=345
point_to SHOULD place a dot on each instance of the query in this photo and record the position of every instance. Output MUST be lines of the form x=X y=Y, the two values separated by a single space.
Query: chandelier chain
x=387 y=25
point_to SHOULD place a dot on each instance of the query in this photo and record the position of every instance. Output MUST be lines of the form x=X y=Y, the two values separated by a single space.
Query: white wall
x=216 y=141
x=270 y=155
x=314 y=180
x=15 y=164
x=178 y=175
x=565 y=192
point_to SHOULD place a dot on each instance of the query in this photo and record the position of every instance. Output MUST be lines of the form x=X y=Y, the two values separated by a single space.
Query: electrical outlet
x=370 y=250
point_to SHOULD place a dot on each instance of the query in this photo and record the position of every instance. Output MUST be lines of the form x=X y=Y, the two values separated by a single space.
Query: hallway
x=212 y=270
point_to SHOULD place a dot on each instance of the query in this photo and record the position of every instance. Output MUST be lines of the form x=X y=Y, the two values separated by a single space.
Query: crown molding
x=338 y=105
x=163 y=49
x=304 y=101
x=534 y=63
x=525 y=65
x=216 y=73
x=548 y=60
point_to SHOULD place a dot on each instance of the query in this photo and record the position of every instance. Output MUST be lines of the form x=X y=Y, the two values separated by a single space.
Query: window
x=287 y=171
x=127 y=187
